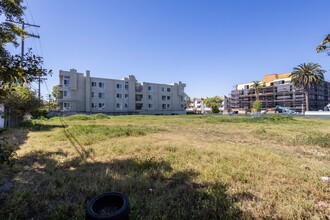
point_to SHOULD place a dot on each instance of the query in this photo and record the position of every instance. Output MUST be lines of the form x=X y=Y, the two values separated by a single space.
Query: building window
x=94 y=105
x=126 y=85
x=118 y=105
x=119 y=96
x=101 y=105
x=163 y=89
x=168 y=105
x=150 y=105
x=163 y=106
x=119 y=86
x=150 y=97
x=93 y=84
x=92 y=94
x=168 y=97
x=149 y=88
x=66 y=105
x=138 y=106
x=65 y=93
x=163 y=98
x=138 y=97
x=126 y=96
x=126 y=105
x=101 y=95
x=66 y=81
x=101 y=85
x=169 y=89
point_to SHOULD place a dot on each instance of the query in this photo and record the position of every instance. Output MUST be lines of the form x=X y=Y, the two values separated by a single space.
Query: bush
x=7 y=152
x=256 y=106
x=39 y=113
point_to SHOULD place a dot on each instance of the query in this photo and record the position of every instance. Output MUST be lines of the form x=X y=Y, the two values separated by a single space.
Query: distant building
x=278 y=90
x=79 y=93
x=197 y=105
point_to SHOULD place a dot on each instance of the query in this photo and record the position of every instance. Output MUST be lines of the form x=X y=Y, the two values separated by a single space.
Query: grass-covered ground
x=171 y=167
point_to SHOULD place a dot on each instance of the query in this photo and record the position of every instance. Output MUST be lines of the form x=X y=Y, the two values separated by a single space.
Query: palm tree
x=257 y=88
x=306 y=75
x=324 y=45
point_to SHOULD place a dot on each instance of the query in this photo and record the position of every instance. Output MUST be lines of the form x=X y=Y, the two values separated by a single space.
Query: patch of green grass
x=89 y=134
x=260 y=130
x=315 y=138
x=274 y=119
x=83 y=117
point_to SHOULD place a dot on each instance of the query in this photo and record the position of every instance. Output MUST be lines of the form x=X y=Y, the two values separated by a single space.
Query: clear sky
x=209 y=45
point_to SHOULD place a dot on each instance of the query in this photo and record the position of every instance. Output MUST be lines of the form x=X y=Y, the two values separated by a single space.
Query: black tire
x=115 y=200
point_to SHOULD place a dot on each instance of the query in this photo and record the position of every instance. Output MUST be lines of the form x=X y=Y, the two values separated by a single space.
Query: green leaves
x=306 y=75
x=213 y=103
x=15 y=68
x=20 y=100
x=323 y=47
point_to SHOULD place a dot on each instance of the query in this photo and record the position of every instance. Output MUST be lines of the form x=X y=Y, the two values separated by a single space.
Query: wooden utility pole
x=22 y=45
x=27 y=34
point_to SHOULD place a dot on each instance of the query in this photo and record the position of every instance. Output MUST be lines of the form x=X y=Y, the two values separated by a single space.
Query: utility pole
x=22 y=45
x=49 y=102
x=27 y=34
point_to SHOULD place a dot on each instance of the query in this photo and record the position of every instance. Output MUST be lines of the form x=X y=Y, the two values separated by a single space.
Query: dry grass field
x=171 y=167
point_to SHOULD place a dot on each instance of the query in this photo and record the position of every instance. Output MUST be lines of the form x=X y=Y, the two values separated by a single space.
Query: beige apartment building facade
x=81 y=93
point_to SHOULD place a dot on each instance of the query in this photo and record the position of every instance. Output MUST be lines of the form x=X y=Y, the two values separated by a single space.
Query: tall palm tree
x=257 y=88
x=306 y=75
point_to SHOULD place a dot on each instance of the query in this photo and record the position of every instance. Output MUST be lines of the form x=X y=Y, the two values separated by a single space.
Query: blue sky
x=209 y=45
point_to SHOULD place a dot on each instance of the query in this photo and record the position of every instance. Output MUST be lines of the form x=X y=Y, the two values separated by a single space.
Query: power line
x=47 y=87
x=28 y=6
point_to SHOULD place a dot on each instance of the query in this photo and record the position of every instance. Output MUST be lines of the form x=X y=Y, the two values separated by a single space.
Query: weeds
x=94 y=133
x=314 y=138
x=180 y=167
x=260 y=130
x=83 y=117
x=277 y=119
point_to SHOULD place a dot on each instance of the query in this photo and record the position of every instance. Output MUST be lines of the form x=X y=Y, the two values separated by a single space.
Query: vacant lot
x=171 y=167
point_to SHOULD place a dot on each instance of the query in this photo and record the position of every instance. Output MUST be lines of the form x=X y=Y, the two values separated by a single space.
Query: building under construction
x=277 y=90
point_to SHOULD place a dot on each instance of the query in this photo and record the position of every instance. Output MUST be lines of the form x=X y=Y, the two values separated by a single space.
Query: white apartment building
x=81 y=93
x=197 y=105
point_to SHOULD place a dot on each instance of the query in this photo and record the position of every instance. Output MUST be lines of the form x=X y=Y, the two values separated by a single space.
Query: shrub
x=256 y=106
x=7 y=152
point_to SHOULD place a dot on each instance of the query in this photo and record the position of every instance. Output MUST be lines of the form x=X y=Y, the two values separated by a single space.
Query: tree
x=187 y=100
x=213 y=103
x=256 y=106
x=16 y=68
x=21 y=101
x=306 y=75
x=324 y=45
x=55 y=92
x=257 y=88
